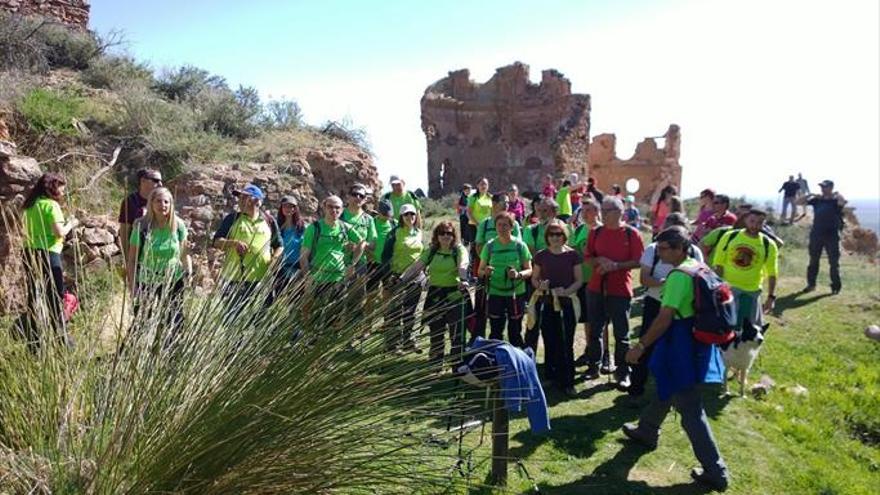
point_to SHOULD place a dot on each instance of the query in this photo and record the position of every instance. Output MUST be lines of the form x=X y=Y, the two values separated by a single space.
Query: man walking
x=613 y=249
x=803 y=191
x=825 y=234
x=680 y=364
x=323 y=254
x=790 y=190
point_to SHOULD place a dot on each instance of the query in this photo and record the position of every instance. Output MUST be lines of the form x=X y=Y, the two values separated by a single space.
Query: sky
x=761 y=89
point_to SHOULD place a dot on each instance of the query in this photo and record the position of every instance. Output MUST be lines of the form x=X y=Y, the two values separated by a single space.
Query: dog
x=740 y=354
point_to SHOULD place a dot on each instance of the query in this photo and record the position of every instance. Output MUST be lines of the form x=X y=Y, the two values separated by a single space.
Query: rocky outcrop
x=653 y=167
x=73 y=13
x=506 y=127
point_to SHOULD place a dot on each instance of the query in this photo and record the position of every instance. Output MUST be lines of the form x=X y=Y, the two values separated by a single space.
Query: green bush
x=226 y=113
x=113 y=72
x=186 y=82
x=281 y=115
x=35 y=45
x=52 y=112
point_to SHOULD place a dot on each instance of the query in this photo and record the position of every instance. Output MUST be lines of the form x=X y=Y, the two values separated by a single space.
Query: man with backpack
x=250 y=240
x=681 y=361
x=743 y=258
x=323 y=252
x=652 y=275
x=825 y=234
x=399 y=197
x=360 y=221
x=613 y=249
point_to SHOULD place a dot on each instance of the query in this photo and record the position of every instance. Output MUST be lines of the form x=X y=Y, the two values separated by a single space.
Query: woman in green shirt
x=504 y=263
x=44 y=232
x=158 y=261
x=447 y=303
x=403 y=247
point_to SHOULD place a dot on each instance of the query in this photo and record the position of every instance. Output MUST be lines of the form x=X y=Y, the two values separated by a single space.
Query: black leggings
x=446 y=314
x=557 y=328
x=506 y=309
x=44 y=277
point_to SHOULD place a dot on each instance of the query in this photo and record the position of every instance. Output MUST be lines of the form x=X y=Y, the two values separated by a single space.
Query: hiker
x=789 y=192
x=384 y=223
x=505 y=262
x=158 y=262
x=631 y=214
x=447 y=304
x=652 y=274
x=515 y=204
x=486 y=231
x=563 y=201
x=707 y=210
x=613 y=249
x=726 y=222
x=676 y=205
x=479 y=208
x=590 y=219
x=616 y=190
x=403 y=247
x=661 y=208
x=44 y=231
x=803 y=191
x=578 y=189
x=533 y=235
x=325 y=244
x=467 y=234
x=292 y=228
x=825 y=234
x=720 y=216
x=363 y=224
x=548 y=188
x=134 y=206
x=743 y=258
x=680 y=364
x=399 y=197
x=594 y=191
x=250 y=240
x=556 y=277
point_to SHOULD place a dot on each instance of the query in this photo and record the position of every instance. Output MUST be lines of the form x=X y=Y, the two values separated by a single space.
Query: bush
x=114 y=72
x=186 y=83
x=281 y=115
x=226 y=113
x=52 y=112
x=36 y=45
x=347 y=131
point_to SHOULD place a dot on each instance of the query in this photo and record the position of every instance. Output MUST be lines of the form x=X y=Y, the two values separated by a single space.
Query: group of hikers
x=529 y=274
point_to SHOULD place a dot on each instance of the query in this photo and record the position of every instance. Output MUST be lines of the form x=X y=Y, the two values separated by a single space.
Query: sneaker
x=835 y=290
x=632 y=431
x=582 y=361
x=592 y=373
x=715 y=482
x=607 y=369
x=623 y=381
x=809 y=288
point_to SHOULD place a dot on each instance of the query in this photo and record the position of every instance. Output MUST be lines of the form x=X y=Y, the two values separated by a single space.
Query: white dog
x=740 y=355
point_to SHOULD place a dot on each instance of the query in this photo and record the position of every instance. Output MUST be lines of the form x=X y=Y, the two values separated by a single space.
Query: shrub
x=186 y=82
x=49 y=111
x=37 y=45
x=226 y=113
x=114 y=72
x=281 y=115
x=348 y=132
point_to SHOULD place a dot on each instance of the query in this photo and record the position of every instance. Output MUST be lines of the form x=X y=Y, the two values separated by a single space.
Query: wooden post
x=500 y=432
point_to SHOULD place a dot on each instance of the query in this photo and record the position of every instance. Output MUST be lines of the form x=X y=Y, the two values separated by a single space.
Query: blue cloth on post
x=519 y=381
x=679 y=362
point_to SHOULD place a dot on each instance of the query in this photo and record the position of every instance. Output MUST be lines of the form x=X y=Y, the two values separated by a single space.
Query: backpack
x=317 y=225
x=714 y=306
x=761 y=234
x=433 y=251
x=388 y=249
x=657 y=257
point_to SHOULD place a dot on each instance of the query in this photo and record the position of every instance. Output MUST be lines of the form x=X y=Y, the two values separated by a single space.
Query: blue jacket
x=519 y=382
x=679 y=362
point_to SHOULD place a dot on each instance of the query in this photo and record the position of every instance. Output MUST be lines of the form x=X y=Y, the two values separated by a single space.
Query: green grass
x=50 y=111
x=825 y=441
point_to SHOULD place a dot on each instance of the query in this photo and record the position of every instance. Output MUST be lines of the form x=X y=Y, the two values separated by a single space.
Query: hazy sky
x=760 y=88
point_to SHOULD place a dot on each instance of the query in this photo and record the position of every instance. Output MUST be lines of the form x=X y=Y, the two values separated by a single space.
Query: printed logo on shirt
x=744 y=256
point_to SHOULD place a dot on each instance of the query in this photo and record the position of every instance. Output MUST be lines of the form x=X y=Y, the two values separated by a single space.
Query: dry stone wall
x=506 y=127
x=73 y=13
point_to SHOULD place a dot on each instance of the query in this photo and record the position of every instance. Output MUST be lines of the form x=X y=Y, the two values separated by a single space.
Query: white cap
x=407 y=208
x=394 y=179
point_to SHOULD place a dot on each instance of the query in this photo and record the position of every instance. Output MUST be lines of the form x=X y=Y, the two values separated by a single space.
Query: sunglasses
x=555 y=234
x=158 y=182
x=445 y=233
x=358 y=195
x=409 y=214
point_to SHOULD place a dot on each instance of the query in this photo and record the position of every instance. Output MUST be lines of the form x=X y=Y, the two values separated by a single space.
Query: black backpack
x=714 y=306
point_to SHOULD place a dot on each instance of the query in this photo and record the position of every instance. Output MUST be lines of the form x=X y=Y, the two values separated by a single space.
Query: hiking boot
x=592 y=373
x=719 y=482
x=622 y=380
x=809 y=288
x=835 y=290
x=632 y=431
x=582 y=361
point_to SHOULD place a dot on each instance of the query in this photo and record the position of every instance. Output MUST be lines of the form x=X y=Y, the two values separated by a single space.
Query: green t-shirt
x=328 y=251
x=501 y=256
x=563 y=198
x=407 y=198
x=38 y=221
x=486 y=231
x=678 y=291
x=711 y=240
x=481 y=204
x=746 y=260
x=364 y=225
x=383 y=228
x=159 y=259
x=408 y=246
x=443 y=269
x=254 y=265
x=578 y=240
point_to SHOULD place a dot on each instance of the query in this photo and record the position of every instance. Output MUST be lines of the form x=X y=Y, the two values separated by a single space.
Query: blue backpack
x=714 y=306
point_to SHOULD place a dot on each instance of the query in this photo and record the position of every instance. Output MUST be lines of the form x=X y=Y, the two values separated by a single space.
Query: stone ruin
x=653 y=167
x=506 y=127
x=71 y=13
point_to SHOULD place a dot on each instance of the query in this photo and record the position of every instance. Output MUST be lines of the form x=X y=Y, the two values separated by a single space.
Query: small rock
x=798 y=390
x=873 y=333
x=95 y=236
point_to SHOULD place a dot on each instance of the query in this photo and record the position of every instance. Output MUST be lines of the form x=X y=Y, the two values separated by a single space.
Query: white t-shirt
x=661 y=270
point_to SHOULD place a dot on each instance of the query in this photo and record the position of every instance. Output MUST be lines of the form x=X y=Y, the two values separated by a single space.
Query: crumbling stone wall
x=73 y=13
x=504 y=128
x=654 y=167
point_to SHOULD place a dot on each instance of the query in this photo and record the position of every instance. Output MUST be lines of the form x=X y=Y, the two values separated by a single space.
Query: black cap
x=826 y=183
